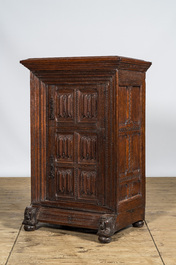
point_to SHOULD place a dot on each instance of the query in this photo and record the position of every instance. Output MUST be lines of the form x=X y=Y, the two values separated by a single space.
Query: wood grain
x=87 y=63
x=14 y=194
x=57 y=246
x=87 y=142
x=161 y=216
x=50 y=245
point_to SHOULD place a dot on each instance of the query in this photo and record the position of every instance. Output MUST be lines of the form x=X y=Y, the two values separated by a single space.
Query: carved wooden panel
x=64 y=147
x=64 y=182
x=64 y=105
x=135 y=145
x=130 y=189
x=87 y=150
x=129 y=163
x=136 y=112
x=129 y=105
x=73 y=144
x=136 y=188
x=124 y=155
x=87 y=106
x=123 y=105
x=124 y=192
x=129 y=148
x=130 y=141
x=87 y=184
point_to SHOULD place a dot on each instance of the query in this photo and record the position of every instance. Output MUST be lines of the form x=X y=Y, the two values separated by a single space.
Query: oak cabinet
x=87 y=143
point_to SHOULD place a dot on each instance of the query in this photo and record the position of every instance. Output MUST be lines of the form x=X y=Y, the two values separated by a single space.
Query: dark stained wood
x=87 y=143
x=86 y=63
x=30 y=218
x=107 y=228
x=138 y=224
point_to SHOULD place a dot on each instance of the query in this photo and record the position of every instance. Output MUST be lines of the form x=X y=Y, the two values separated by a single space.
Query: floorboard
x=161 y=216
x=153 y=244
x=14 y=194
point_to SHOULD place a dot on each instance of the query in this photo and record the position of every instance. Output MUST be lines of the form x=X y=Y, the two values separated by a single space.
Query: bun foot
x=103 y=239
x=29 y=227
x=138 y=224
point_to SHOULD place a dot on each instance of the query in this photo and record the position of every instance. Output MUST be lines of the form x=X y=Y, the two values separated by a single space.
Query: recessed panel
x=64 y=182
x=64 y=105
x=87 y=148
x=87 y=106
x=135 y=188
x=129 y=105
x=64 y=147
x=130 y=189
x=135 y=151
x=136 y=105
x=123 y=108
x=124 y=192
x=87 y=184
x=124 y=154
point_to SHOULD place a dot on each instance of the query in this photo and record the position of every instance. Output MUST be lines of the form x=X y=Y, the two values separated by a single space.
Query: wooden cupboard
x=87 y=143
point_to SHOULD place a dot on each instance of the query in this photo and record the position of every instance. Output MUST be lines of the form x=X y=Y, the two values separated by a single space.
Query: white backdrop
x=53 y=28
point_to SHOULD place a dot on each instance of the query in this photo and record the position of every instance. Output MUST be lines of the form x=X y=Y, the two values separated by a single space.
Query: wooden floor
x=155 y=243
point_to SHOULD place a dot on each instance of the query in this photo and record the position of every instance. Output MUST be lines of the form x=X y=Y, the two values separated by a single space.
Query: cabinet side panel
x=35 y=137
x=143 y=138
x=131 y=166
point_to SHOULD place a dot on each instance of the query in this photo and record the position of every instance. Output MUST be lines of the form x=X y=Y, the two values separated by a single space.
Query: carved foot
x=138 y=224
x=107 y=228
x=30 y=218
x=103 y=239
x=29 y=227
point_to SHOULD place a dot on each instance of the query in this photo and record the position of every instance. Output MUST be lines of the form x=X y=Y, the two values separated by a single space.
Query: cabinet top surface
x=85 y=63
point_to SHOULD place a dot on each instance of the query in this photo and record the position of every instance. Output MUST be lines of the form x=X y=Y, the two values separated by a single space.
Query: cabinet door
x=76 y=133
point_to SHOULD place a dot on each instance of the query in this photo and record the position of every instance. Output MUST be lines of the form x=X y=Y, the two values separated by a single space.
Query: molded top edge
x=85 y=63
